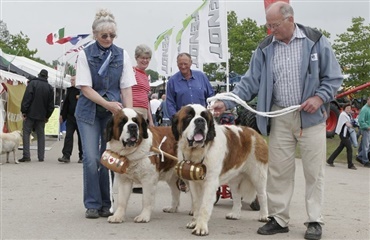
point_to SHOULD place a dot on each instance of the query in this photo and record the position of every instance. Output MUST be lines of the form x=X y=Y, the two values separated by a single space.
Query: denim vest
x=108 y=86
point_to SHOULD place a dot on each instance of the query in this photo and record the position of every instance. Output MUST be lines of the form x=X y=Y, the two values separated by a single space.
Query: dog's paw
x=169 y=209
x=115 y=219
x=233 y=216
x=200 y=230
x=191 y=224
x=191 y=213
x=263 y=218
x=142 y=218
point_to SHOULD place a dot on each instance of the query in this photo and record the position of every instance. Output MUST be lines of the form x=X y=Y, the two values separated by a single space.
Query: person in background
x=364 y=122
x=140 y=91
x=68 y=114
x=187 y=86
x=165 y=119
x=342 y=129
x=36 y=107
x=294 y=65
x=105 y=77
x=154 y=104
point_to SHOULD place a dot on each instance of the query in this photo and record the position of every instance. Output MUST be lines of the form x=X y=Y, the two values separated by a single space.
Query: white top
x=343 y=119
x=83 y=74
x=154 y=105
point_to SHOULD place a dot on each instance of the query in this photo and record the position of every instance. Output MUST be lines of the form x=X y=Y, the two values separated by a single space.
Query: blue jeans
x=363 y=151
x=95 y=175
x=353 y=137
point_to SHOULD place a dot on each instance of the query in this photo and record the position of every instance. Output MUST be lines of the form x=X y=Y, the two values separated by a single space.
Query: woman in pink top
x=140 y=91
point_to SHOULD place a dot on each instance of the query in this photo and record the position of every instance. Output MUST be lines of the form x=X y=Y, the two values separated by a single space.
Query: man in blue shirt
x=187 y=86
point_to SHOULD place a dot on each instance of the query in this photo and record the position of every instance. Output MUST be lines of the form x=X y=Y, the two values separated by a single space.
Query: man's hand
x=312 y=104
x=218 y=108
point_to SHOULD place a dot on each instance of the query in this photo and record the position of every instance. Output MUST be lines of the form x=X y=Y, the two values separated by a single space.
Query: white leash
x=233 y=97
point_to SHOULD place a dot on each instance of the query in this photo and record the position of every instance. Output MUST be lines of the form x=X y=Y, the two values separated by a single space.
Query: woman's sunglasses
x=105 y=36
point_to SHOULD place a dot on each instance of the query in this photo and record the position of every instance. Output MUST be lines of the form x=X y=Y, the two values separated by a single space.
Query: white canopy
x=55 y=79
x=4 y=76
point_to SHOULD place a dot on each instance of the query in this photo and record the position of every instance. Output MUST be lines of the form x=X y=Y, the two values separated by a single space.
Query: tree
x=353 y=52
x=244 y=37
x=153 y=75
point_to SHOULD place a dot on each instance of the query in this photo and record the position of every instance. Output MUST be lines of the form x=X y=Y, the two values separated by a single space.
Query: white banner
x=213 y=32
x=163 y=52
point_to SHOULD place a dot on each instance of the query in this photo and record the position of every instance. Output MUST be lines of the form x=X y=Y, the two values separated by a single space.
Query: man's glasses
x=111 y=35
x=275 y=25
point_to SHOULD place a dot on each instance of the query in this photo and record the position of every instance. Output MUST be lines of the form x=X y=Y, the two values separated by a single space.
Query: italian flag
x=55 y=37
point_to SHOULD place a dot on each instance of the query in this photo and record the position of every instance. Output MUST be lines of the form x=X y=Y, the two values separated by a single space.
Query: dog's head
x=128 y=126
x=195 y=123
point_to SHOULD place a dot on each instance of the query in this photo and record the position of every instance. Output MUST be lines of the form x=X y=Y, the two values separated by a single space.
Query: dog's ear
x=109 y=129
x=144 y=127
x=211 y=128
x=174 y=122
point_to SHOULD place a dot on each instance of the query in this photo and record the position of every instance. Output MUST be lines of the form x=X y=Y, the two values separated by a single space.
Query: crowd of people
x=106 y=82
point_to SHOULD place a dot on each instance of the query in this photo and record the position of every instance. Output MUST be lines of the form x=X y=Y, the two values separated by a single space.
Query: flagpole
x=227 y=52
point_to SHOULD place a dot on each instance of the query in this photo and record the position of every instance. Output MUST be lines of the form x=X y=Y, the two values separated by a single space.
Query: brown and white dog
x=10 y=143
x=128 y=135
x=233 y=155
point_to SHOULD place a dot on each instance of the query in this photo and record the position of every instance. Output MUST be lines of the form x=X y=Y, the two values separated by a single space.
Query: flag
x=163 y=53
x=213 y=32
x=72 y=39
x=78 y=48
x=55 y=37
x=187 y=39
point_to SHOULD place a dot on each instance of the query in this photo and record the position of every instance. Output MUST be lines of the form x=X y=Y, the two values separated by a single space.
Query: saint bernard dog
x=233 y=155
x=128 y=135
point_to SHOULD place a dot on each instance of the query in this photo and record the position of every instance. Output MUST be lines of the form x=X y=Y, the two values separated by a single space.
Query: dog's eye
x=134 y=120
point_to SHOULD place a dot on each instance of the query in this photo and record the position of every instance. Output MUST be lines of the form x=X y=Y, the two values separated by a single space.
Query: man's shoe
x=104 y=212
x=313 y=231
x=79 y=160
x=353 y=167
x=367 y=165
x=41 y=160
x=330 y=163
x=137 y=190
x=64 y=159
x=358 y=160
x=92 y=213
x=23 y=159
x=272 y=227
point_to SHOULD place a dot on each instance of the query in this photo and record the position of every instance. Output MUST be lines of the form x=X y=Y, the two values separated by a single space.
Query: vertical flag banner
x=55 y=37
x=187 y=38
x=213 y=32
x=163 y=52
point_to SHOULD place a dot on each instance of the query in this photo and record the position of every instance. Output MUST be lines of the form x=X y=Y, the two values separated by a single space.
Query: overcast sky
x=142 y=21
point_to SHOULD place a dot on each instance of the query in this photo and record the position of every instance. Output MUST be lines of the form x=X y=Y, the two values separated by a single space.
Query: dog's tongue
x=198 y=137
x=132 y=139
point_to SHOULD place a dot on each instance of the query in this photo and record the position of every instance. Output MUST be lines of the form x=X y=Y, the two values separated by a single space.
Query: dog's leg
x=149 y=189
x=7 y=157
x=235 y=213
x=15 y=160
x=196 y=195
x=124 y=191
x=208 y=197
x=175 y=193
x=262 y=199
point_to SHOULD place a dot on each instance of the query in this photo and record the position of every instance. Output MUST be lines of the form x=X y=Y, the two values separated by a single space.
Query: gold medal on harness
x=114 y=162
x=190 y=171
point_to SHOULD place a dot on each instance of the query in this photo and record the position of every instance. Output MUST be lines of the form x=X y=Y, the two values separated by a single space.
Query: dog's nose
x=199 y=121
x=132 y=127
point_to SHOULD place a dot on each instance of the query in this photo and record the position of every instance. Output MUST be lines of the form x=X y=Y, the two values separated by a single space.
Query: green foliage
x=154 y=76
x=244 y=37
x=353 y=52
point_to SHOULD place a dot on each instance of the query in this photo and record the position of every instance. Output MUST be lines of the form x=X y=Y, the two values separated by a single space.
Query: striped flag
x=78 y=48
x=55 y=37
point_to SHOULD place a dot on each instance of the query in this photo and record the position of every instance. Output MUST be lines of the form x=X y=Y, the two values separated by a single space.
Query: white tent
x=55 y=79
x=5 y=76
